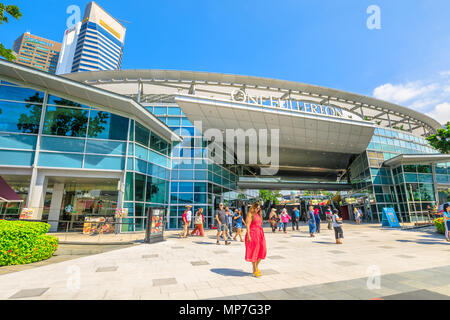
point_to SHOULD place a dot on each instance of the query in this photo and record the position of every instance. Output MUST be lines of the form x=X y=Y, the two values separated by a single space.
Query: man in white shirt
x=188 y=218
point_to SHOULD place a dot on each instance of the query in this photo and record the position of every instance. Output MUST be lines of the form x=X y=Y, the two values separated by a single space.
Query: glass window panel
x=104 y=162
x=17 y=93
x=185 y=198
x=62 y=160
x=130 y=164
x=62 y=144
x=142 y=134
x=16 y=158
x=106 y=147
x=104 y=125
x=158 y=186
x=423 y=169
x=65 y=122
x=129 y=187
x=139 y=208
x=139 y=185
x=441 y=178
x=19 y=117
x=64 y=102
x=186 y=187
x=173 y=121
x=141 y=152
x=200 y=187
x=200 y=175
x=426 y=178
x=141 y=166
x=19 y=141
x=157 y=158
x=160 y=110
x=200 y=198
x=186 y=175
x=174 y=111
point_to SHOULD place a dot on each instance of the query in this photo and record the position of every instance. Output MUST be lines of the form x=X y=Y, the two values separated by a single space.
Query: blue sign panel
x=389 y=218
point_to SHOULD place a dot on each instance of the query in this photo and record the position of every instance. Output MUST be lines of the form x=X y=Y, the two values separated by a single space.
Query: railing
x=87 y=227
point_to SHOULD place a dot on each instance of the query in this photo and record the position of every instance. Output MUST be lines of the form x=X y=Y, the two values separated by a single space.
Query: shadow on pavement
x=203 y=242
x=231 y=272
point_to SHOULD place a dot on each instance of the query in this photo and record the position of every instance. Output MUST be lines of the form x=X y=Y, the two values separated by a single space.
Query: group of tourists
x=283 y=219
x=226 y=222
x=313 y=218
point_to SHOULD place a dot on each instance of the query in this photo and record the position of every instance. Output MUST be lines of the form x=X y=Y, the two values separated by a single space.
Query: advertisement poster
x=98 y=225
x=26 y=214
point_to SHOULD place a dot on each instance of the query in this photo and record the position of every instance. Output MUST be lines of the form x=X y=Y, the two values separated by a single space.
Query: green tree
x=5 y=11
x=269 y=195
x=441 y=140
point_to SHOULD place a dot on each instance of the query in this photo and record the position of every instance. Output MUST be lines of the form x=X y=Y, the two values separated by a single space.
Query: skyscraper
x=37 y=52
x=94 y=44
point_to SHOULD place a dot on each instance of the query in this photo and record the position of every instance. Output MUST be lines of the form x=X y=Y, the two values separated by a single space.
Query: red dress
x=255 y=249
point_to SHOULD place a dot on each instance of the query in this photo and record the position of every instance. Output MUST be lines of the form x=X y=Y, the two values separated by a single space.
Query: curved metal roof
x=375 y=109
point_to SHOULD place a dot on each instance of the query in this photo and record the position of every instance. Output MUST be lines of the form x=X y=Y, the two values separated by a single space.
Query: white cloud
x=441 y=113
x=402 y=92
x=431 y=96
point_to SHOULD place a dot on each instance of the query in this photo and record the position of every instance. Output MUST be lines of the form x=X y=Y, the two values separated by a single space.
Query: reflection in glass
x=104 y=125
x=65 y=122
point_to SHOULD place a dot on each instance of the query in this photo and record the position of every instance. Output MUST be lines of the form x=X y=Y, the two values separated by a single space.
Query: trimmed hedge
x=24 y=242
x=440 y=227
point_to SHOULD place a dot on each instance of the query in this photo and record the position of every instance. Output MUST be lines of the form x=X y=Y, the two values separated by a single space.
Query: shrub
x=24 y=242
x=439 y=223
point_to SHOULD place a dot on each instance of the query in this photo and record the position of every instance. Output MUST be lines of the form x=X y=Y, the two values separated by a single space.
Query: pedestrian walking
x=446 y=216
x=285 y=217
x=198 y=223
x=238 y=223
x=229 y=222
x=273 y=219
x=221 y=224
x=255 y=241
x=311 y=221
x=186 y=218
x=317 y=219
x=357 y=214
x=295 y=218
x=337 y=225
x=329 y=215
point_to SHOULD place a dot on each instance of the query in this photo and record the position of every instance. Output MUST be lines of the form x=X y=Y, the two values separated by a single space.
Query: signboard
x=26 y=214
x=121 y=212
x=389 y=218
x=292 y=104
x=154 y=231
x=97 y=225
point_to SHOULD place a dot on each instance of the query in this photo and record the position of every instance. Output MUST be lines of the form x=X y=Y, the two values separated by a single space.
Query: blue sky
x=322 y=42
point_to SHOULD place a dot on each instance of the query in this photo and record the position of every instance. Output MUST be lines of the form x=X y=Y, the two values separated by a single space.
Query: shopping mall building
x=88 y=143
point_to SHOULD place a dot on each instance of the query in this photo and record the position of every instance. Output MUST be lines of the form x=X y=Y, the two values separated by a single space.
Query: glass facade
x=195 y=179
x=409 y=189
x=51 y=132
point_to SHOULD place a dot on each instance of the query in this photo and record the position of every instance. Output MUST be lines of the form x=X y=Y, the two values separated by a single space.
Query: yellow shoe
x=257 y=273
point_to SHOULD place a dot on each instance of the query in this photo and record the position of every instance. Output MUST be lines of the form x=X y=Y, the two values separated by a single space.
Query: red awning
x=7 y=194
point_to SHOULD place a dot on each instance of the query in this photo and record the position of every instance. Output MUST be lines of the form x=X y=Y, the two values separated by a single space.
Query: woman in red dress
x=255 y=241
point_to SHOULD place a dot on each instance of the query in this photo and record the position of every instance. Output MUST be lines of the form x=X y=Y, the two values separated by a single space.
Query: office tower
x=37 y=52
x=68 y=49
x=94 y=44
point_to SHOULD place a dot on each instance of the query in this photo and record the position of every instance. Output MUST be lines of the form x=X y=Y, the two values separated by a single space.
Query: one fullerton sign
x=239 y=95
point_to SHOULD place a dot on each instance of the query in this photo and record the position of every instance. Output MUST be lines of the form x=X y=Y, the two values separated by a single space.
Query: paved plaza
x=412 y=264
